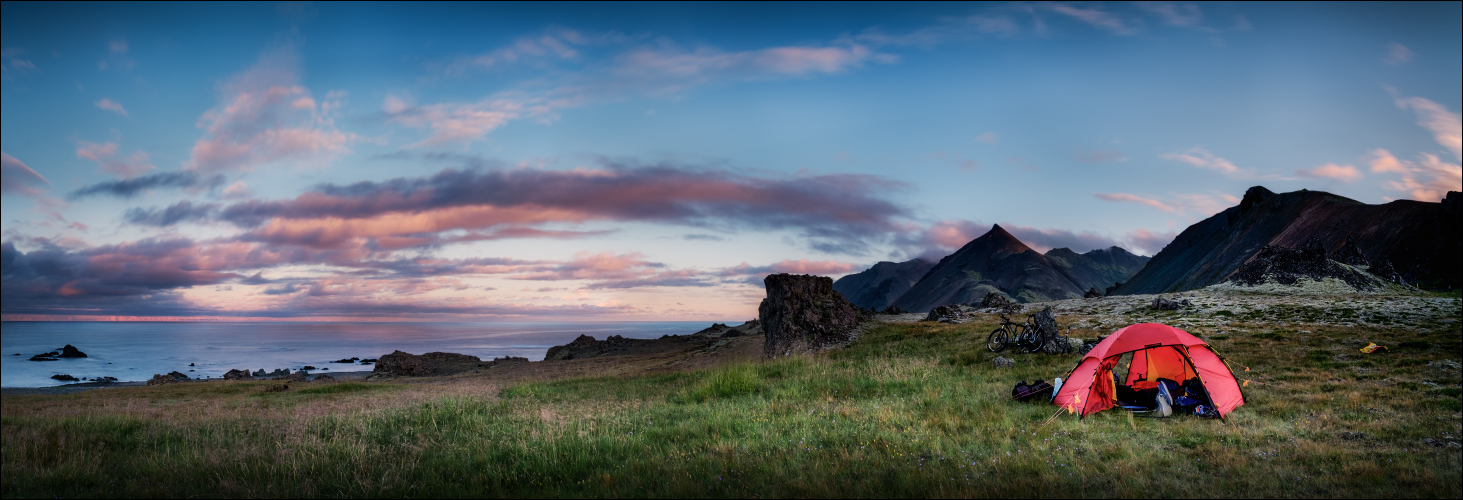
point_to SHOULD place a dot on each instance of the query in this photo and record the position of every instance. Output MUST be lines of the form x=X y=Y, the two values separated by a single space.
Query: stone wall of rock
x=426 y=365
x=803 y=313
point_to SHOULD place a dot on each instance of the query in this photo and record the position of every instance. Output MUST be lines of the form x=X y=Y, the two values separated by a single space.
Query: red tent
x=1159 y=351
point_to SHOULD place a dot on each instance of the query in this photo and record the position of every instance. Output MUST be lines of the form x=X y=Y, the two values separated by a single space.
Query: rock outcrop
x=71 y=352
x=803 y=313
x=64 y=377
x=170 y=378
x=430 y=364
x=239 y=375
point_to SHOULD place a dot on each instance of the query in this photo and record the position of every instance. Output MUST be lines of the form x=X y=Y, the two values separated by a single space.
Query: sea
x=133 y=351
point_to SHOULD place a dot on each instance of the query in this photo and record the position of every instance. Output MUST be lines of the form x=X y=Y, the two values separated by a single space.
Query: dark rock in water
x=367 y=360
x=71 y=352
x=803 y=313
x=1092 y=293
x=308 y=367
x=429 y=364
x=344 y=360
x=64 y=377
x=105 y=380
x=40 y=357
x=171 y=378
x=190 y=364
x=239 y=375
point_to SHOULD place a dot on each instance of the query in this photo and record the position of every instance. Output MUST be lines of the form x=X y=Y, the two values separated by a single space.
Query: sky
x=478 y=162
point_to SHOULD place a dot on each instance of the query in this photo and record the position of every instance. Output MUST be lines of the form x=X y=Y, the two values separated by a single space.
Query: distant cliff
x=1420 y=240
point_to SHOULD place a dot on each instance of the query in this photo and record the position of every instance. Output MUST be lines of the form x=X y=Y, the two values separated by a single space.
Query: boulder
x=429 y=364
x=1000 y=302
x=179 y=376
x=259 y=373
x=71 y=352
x=64 y=377
x=299 y=376
x=803 y=313
x=238 y=375
x=1092 y=293
x=163 y=379
x=1002 y=362
x=41 y=357
x=954 y=313
x=323 y=378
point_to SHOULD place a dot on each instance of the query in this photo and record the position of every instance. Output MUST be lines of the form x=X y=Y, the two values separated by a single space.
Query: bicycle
x=1023 y=335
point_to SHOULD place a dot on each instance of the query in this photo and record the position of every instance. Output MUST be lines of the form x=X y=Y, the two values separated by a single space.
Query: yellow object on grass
x=1372 y=347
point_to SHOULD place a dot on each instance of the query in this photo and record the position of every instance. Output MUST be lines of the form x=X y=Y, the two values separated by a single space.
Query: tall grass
x=910 y=410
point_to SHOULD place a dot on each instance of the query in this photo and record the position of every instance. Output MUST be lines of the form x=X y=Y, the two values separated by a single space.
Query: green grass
x=909 y=410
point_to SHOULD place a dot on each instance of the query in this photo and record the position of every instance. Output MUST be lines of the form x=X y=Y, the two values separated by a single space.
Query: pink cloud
x=1397 y=54
x=1133 y=198
x=1332 y=171
x=267 y=118
x=455 y=122
x=1145 y=242
x=110 y=105
x=1445 y=125
x=1201 y=158
x=1428 y=178
x=18 y=178
x=106 y=156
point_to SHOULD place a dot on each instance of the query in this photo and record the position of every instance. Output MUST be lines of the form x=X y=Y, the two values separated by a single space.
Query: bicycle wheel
x=998 y=340
x=1034 y=342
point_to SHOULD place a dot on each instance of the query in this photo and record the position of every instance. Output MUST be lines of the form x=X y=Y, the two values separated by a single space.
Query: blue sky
x=645 y=161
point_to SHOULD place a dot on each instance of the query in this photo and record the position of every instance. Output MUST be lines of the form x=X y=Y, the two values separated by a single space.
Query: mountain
x=1097 y=269
x=1420 y=240
x=998 y=262
x=878 y=286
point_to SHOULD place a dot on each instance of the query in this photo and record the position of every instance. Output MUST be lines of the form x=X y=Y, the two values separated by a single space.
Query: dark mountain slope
x=1421 y=240
x=1097 y=269
x=994 y=262
x=877 y=287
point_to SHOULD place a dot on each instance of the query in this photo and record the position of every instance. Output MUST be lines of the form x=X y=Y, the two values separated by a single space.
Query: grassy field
x=912 y=410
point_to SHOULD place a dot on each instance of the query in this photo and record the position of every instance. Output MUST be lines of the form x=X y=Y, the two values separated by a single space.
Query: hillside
x=879 y=286
x=1421 y=240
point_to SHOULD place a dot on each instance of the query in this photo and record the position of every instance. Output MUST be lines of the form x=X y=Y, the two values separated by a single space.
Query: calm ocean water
x=135 y=351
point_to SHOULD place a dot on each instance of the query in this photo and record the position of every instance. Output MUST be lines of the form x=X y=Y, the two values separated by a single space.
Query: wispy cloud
x=106 y=155
x=1331 y=171
x=1102 y=156
x=1186 y=15
x=1201 y=158
x=267 y=117
x=1093 y=16
x=129 y=188
x=839 y=213
x=110 y=105
x=18 y=178
x=1428 y=178
x=1397 y=54
x=1133 y=198
x=1444 y=123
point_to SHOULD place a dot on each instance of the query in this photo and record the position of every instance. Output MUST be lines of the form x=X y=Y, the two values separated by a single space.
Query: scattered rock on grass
x=1002 y=362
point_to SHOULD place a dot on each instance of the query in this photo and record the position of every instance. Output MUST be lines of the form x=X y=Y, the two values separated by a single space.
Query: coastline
x=57 y=390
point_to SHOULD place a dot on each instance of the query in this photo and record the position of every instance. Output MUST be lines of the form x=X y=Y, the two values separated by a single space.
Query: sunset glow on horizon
x=634 y=162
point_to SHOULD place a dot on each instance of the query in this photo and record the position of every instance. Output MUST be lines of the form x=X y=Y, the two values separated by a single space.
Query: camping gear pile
x=1373 y=348
x=1031 y=392
x=1168 y=370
